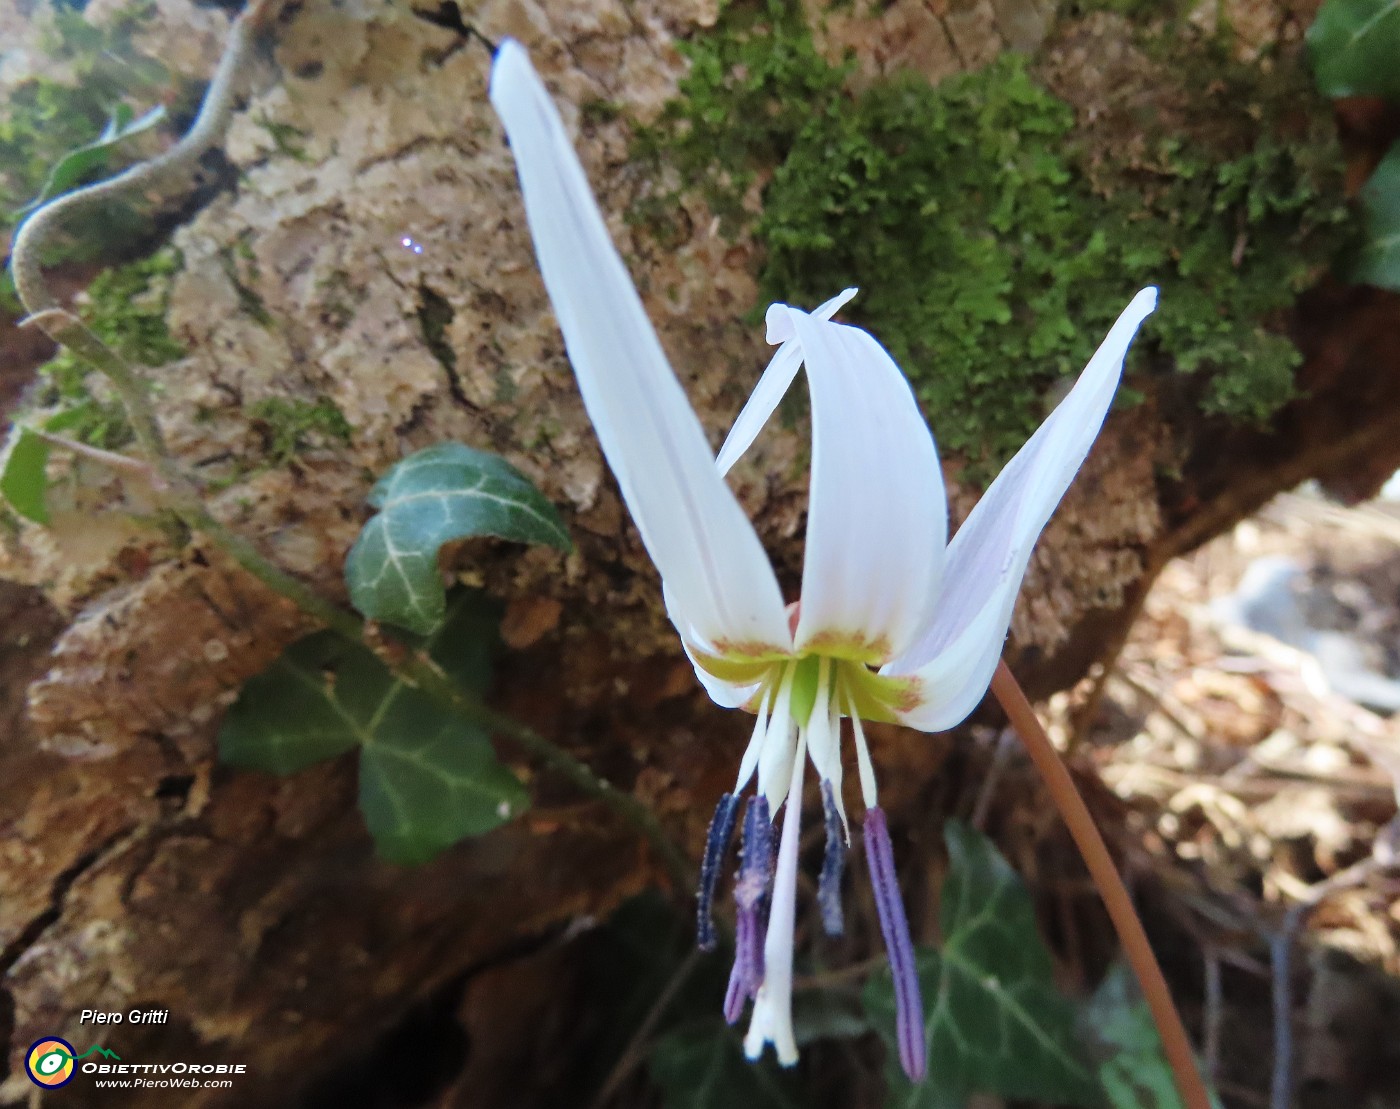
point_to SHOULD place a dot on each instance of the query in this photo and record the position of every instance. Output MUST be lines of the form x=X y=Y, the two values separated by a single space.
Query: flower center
x=851 y=685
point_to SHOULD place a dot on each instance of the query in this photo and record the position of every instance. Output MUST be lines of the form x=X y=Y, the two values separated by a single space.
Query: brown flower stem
x=1126 y=921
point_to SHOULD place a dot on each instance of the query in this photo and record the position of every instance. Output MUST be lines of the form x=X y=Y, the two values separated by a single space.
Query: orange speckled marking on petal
x=738 y=669
x=879 y=697
x=849 y=647
x=752 y=651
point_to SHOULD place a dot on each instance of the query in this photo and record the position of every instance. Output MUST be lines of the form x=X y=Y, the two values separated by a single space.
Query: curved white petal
x=772 y=386
x=877 y=519
x=693 y=528
x=957 y=654
x=726 y=694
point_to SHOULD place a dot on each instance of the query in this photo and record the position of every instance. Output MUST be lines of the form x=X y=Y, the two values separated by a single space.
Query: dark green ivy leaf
x=1379 y=261
x=445 y=492
x=702 y=1066
x=995 y=1023
x=1355 y=46
x=23 y=473
x=427 y=778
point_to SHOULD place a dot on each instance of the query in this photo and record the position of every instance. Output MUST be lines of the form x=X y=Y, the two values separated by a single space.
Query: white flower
x=894 y=623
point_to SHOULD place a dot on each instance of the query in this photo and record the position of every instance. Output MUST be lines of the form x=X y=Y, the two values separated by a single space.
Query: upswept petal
x=696 y=533
x=958 y=652
x=877 y=517
x=772 y=386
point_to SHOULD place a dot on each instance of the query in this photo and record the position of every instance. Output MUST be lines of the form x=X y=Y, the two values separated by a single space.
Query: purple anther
x=747 y=974
x=833 y=865
x=757 y=855
x=716 y=843
x=751 y=890
x=909 y=1005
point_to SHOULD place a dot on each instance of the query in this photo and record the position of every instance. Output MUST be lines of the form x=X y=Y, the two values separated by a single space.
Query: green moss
x=750 y=88
x=239 y=260
x=988 y=263
x=293 y=426
x=596 y=112
x=126 y=308
x=435 y=316
x=286 y=139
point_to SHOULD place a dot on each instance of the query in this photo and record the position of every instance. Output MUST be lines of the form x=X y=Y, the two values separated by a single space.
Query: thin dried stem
x=1115 y=896
x=121 y=463
x=1281 y=956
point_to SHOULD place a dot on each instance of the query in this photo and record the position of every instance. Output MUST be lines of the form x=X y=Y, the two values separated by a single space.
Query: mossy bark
x=134 y=871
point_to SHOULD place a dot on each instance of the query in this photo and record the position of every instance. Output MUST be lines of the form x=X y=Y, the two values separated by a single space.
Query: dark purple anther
x=716 y=843
x=747 y=974
x=750 y=893
x=909 y=1005
x=757 y=855
x=833 y=865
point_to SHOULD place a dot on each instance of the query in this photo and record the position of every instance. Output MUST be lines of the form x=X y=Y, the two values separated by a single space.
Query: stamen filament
x=867 y=770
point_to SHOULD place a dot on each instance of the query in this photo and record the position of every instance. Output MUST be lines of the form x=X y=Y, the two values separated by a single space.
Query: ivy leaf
x=23 y=473
x=1355 y=46
x=995 y=1022
x=1134 y=1072
x=308 y=706
x=828 y=1015
x=445 y=492
x=702 y=1066
x=1379 y=260
x=427 y=778
x=77 y=163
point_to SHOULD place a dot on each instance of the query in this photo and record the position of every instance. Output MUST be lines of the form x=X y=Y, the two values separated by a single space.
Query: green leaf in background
x=702 y=1066
x=1379 y=260
x=1355 y=46
x=77 y=164
x=828 y=1014
x=995 y=1023
x=1134 y=1073
x=444 y=492
x=23 y=473
x=427 y=778
x=308 y=706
